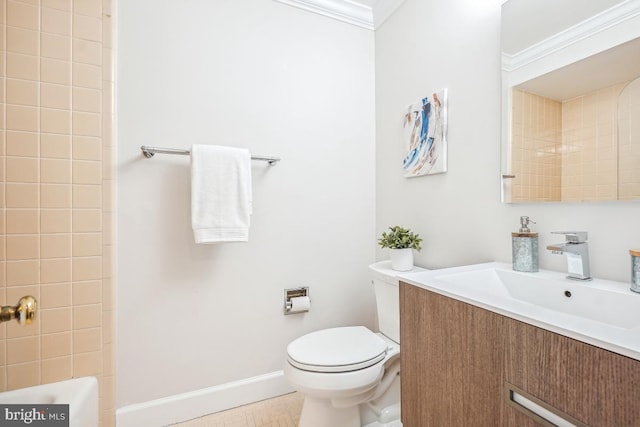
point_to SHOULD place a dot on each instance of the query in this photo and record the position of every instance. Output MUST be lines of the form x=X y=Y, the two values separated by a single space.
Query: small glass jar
x=635 y=270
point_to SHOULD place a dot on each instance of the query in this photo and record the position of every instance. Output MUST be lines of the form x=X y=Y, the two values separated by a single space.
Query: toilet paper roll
x=299 y=304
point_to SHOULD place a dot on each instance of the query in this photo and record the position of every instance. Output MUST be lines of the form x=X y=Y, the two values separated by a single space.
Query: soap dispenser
x=524 y=246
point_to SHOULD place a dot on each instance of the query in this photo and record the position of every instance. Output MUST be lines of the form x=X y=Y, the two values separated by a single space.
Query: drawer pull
x=539 y=410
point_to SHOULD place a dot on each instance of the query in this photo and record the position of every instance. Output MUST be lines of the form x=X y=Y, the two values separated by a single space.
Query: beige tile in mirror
x=571 y=109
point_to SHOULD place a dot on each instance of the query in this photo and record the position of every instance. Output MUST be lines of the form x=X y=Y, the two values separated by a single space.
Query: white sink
x=601 y=312
x=598 y=300
x=80 y=393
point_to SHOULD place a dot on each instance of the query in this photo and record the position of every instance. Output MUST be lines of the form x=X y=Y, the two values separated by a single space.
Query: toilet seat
x=337 y=350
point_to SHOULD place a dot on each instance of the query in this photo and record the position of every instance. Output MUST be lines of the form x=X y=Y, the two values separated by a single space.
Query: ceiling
x=369 y=14
x=616 y=65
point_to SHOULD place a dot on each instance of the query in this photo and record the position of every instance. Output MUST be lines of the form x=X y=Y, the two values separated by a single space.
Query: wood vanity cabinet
x=459 y=361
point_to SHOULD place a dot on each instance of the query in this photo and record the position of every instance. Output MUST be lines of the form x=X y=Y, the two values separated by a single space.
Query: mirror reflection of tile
x=573 y=113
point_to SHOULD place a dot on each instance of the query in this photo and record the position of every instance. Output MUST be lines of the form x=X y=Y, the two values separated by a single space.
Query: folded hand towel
x=220 y=193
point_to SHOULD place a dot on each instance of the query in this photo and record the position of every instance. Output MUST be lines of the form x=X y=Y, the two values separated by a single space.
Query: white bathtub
x=80 y=393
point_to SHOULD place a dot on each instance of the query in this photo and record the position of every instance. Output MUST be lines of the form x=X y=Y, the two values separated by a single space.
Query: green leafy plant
x=400 y=238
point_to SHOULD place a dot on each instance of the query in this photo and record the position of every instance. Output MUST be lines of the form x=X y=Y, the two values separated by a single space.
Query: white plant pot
x=401 y=259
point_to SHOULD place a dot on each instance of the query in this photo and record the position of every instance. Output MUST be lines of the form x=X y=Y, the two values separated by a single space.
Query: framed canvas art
x=425 y=133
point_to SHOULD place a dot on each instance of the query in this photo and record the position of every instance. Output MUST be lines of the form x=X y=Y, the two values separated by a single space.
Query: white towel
x=220 y=193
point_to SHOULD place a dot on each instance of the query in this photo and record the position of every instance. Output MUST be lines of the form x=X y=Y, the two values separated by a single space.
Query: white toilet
x=350 y=375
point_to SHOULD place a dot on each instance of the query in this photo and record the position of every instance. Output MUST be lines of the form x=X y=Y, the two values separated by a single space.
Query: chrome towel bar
x=150 y=151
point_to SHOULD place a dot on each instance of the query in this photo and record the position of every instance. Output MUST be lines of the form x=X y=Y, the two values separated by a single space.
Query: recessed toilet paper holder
x=290 y=293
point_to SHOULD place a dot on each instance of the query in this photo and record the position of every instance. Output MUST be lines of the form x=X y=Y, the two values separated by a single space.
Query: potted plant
x=401 y=242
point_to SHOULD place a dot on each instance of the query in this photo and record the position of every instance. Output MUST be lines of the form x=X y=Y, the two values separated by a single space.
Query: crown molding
x=589 y=27
x=342 y=10
x=351 y=12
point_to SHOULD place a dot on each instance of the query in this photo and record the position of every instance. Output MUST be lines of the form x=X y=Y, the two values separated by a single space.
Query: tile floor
x=282 y=411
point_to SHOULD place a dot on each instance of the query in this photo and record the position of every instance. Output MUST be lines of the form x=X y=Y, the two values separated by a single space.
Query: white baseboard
x=194 y=404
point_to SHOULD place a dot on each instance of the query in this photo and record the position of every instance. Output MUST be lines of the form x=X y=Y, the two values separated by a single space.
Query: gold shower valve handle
x=24 y=312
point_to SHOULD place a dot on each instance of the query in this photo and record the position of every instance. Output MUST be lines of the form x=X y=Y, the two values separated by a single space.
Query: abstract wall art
x=425 y=133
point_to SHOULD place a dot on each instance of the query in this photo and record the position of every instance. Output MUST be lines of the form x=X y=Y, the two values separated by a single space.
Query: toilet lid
x=337 y=350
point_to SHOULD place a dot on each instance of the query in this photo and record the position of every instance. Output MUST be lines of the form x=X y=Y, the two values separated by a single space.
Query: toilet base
x=384 y=411
x=320 y=413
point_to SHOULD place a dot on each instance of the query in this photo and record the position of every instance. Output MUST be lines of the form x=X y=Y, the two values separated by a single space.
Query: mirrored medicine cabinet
x=570 y=100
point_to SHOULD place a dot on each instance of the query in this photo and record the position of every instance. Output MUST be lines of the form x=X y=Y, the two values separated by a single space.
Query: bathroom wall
x=536 y=155
x=279 y=81
x=567 y=151
x=590 y=146
x=629 y=141
x=456 y=44
x=56 y=186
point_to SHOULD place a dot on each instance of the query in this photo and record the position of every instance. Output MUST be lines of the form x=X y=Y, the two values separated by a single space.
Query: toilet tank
x=386 y=287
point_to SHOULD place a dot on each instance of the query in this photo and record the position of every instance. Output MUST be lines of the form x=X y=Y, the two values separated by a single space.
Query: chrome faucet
x=577 y=252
